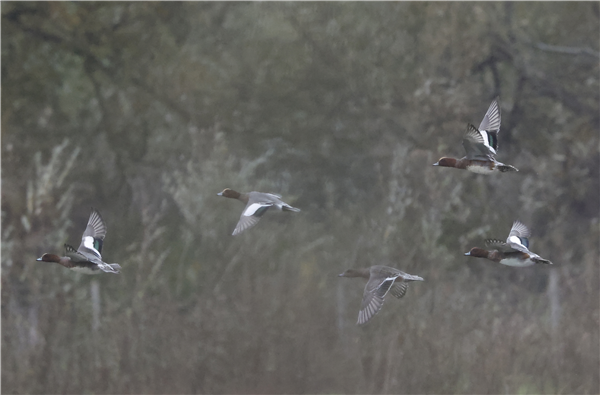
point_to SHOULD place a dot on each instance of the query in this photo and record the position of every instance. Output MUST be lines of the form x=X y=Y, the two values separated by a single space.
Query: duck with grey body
x=380 y=281
x=257 y=203
x=515 y=252
x=87 y=259
x=481 y=146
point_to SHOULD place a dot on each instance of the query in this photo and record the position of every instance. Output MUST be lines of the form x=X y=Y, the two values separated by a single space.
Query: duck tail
x=287 y=207
x=410 y=277
x=504 y=168
x=116 y=267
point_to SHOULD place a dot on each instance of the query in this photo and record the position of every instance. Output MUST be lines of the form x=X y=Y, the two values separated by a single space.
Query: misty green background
x=146 y=110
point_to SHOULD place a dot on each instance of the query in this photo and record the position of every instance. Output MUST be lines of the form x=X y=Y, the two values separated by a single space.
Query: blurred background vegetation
x=146 y=110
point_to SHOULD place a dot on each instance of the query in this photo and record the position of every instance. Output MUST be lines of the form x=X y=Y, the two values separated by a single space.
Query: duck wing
x=477 y=144
x=373 y=297
x=78 y=257
x=274 y=195
x=251 y=215
x=519 y=234
x=93 y=236
x=491 y=121
x=488 y=129
x=75 y=255
x=505 y=247
x=264 y=197
x=399 y=289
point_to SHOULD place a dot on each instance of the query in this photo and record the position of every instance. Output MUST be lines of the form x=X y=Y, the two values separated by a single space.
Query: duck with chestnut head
x=87 y=259
x=513 y=252
x=481 y=146
x=257 y=203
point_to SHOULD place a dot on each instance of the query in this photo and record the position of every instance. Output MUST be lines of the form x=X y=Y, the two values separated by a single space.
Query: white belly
x=480 y=169
x=85 y=270
x=517 y=262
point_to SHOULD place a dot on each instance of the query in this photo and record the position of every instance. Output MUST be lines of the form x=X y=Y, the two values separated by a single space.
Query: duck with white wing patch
x=87 y=259
x=257 y=203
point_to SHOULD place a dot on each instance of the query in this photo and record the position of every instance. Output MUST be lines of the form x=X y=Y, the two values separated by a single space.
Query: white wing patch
x=516 y=240
x=392 y=279
x=486 y=140
x=520 y=230
x=253 y=208
x=88 y=242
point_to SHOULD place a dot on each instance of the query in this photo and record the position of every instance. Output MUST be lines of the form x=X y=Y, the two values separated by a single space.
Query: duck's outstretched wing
x=251 y=215
x=399 y=289
x=78 y=257
x=491 y=120
x=93 y=236
x=477 y=144
x=519 y=234
x=373 y=297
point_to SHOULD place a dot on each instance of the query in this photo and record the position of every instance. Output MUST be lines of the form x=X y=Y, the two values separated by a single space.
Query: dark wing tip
x=493 y=242
x=69 y=248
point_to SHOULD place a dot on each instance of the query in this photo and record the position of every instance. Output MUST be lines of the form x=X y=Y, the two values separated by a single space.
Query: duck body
x=509 y=258
x=84 y=267
x=257 y=204
x=87 y=259
x=381 y=280
x=481 y=146
x=479 y=166
x=514 y=252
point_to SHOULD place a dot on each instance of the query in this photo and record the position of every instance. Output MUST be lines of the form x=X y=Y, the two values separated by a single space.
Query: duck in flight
x=515 y=252
x=257 y=203
x=481 y=146
x=381 y=280
x=87 y=258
